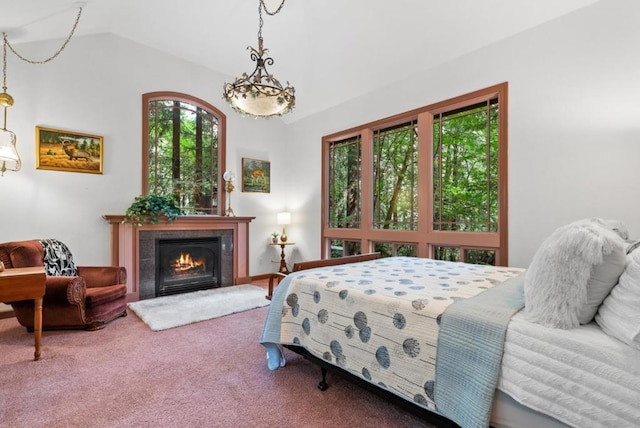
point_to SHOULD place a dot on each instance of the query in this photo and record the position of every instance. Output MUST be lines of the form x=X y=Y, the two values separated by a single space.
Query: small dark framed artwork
x=256 y=175
x=70 y=151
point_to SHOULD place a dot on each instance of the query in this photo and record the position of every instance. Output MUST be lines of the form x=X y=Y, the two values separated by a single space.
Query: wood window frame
x=425 y=236
x=222 y=132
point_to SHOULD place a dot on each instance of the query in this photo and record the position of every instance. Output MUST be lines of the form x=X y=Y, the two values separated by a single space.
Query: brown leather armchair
x=87 y=297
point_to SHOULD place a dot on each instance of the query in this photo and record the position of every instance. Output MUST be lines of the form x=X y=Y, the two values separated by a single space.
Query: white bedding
x=579 y=376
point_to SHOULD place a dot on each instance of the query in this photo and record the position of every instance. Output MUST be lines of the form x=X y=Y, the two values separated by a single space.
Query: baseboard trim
x=242 y=280
x=261 y=277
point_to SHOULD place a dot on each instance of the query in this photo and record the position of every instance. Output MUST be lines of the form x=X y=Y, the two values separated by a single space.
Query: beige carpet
x=166 y=312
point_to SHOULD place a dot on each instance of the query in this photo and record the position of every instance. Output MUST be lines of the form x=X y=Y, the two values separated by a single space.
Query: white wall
x=574 y=124
x=574 y=132
x=95 y=86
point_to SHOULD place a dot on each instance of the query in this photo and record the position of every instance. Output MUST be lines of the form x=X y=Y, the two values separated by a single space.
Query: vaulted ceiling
x=330 y=50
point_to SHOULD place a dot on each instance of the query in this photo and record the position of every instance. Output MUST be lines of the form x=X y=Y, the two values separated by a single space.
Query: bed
x=393 y=324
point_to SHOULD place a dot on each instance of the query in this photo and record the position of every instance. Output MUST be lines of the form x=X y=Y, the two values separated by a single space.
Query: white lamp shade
x=284 y=218
x=9 y=158
x=261 y=105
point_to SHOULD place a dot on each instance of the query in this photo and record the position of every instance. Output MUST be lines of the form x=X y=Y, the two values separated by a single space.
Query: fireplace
x=187 y=264
x=134 y=247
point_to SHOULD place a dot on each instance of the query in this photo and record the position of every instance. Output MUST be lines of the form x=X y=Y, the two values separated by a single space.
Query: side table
x=25 y=284
x=283 y=263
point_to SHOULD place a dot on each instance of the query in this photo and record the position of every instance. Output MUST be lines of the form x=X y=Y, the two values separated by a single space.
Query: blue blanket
x=271 y=331
x=469 y=353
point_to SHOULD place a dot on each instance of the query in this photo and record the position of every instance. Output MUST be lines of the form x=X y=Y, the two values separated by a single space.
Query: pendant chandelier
x=9 y=157
x=260 y=94
x=8 y=152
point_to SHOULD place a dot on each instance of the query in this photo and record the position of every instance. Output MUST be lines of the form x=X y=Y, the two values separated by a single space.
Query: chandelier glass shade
x=260 y=94
x=9 y=157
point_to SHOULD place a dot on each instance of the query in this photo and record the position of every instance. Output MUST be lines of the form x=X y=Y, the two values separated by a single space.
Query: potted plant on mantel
x=152 y=209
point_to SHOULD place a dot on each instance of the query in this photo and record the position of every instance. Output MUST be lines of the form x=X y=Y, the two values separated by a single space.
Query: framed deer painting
x=71 y=151
x=256 y=175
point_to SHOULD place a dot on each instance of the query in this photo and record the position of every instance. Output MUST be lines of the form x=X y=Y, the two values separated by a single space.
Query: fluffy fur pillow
x=572 y=272
x=619 y=315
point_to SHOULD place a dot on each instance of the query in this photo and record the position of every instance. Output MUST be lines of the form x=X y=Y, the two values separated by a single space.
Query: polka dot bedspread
x=379 y=319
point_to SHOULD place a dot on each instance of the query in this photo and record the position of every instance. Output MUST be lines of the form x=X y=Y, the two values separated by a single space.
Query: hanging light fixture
x=259 y=94
x=9 y=157
x=8 y=153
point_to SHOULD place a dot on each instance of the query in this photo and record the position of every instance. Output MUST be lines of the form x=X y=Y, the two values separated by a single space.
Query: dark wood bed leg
x=322 y=385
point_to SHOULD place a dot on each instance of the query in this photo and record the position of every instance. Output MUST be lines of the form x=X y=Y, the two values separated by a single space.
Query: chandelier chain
x=44 y=61
x=4 y=62
x=276 y=11
x=261 y=5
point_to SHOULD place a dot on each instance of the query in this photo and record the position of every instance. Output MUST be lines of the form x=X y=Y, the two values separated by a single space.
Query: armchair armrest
x=60 y=292
x=103 y=276
x=64 y=289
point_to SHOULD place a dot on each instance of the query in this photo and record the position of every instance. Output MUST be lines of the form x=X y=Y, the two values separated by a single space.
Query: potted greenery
x=152 y=209
x=274 y=237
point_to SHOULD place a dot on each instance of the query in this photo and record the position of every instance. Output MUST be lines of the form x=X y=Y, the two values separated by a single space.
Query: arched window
x=183 y=151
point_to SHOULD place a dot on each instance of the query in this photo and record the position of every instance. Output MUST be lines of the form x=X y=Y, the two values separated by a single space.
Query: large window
x=395 y=177
x=431 y=183
x=344 y=183
x=183 y=151
x=465 y=168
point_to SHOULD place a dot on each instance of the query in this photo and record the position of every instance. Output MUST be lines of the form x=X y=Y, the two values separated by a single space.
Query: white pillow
x=572 y=272
x=604 y=277
x=619 y=314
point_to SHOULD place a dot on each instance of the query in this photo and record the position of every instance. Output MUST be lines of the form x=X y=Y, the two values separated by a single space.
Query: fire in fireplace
x=187 y=264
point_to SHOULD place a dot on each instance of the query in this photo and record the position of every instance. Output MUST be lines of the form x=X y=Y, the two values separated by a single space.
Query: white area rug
x=166 y=312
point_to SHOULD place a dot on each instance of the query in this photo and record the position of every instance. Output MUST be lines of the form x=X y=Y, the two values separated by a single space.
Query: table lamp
x=284 y=219
x=228 y=178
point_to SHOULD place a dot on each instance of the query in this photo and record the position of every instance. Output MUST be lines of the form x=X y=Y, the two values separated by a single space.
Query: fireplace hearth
x=187 y=264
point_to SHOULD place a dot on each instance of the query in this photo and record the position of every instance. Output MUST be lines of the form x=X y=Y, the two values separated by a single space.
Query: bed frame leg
x=322 y=385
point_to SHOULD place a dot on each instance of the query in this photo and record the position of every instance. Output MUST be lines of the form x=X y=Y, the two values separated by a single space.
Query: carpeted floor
x=208 y=374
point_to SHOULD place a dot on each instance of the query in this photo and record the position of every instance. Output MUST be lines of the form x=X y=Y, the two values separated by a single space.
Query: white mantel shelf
x=125 y=240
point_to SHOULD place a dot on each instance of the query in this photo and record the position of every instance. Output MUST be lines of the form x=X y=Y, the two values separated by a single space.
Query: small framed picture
x=256 y=175
x=70 y=151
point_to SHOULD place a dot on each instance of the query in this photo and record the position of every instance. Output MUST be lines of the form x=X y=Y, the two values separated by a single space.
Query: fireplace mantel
x=125 y=239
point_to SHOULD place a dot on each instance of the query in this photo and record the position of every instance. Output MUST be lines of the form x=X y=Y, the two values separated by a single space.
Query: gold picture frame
x=71 y=151
x=256 y=175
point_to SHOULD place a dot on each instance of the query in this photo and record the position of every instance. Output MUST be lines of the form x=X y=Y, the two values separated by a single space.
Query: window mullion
x=366 y=188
